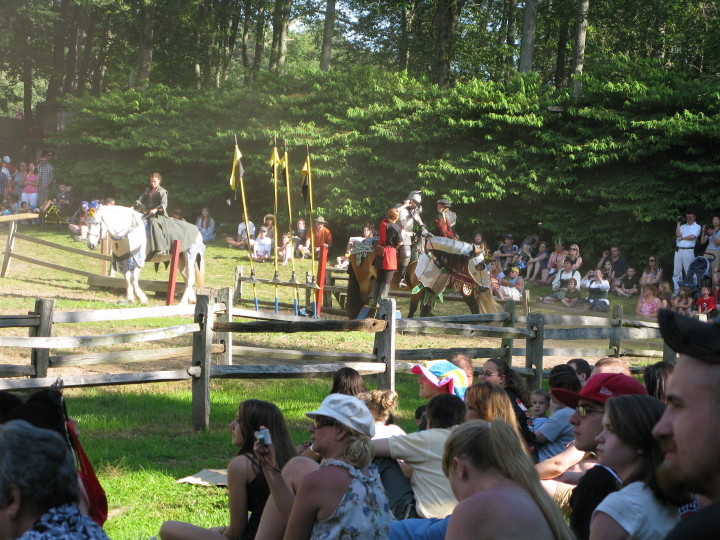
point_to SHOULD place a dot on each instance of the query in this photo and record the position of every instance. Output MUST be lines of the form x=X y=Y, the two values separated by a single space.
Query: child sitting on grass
x=572 y=294
x=683 y=302
x=629 y=284
x=705 y=303
x=540 y=403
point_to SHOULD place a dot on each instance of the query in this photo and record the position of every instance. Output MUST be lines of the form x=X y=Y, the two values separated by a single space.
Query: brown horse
x=362 y=280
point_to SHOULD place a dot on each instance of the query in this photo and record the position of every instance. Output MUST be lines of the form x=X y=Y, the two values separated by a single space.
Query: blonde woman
x=575 y=257
x=344 y=497
x=498 y=487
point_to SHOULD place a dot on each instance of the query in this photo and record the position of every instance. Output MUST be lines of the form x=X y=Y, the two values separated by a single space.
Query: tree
x=527 y=42
x=448 y=12
x=327 y=35
x=579 y=51
x=280 y=23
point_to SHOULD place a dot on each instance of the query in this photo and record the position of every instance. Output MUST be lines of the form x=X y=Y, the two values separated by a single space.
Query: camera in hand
x=263 y=437
x=679 y=219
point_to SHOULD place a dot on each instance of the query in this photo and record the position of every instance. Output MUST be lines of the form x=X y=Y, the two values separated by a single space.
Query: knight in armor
x=410 y=219
x=154 y=202
x=445 y=220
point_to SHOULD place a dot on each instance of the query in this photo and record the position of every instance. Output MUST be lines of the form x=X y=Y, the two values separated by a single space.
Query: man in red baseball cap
x=589 y=405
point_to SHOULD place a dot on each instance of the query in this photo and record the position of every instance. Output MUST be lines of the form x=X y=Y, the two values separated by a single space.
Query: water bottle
x=695 y=280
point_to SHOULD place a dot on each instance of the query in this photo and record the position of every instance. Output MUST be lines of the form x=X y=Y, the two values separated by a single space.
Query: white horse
x=126 y=229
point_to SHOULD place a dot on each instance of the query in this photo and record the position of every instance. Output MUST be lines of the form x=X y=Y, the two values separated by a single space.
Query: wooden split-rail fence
x=212 y=354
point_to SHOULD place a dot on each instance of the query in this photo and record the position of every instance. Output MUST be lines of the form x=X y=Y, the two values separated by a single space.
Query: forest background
x=595 y=121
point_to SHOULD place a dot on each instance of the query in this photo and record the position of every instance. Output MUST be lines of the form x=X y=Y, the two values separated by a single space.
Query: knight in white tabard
x=410 y=219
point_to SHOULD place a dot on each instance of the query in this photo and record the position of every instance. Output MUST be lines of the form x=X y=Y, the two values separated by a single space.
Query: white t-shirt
x=423 y=450
x=636 y=510
x=262 y=247
x=241 y=230
x=383 y=431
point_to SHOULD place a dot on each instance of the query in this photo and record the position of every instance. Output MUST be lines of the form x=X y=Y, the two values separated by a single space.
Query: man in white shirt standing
x=686 y=234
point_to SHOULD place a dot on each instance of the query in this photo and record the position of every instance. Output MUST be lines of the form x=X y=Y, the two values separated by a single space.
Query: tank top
x=257 y=495
x=363 y=511
x=648 y=308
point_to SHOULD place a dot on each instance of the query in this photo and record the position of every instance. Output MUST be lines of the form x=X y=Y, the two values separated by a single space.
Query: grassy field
x=139 y=437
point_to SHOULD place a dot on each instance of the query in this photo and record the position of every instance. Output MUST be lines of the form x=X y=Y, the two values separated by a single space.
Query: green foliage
x=615 y=167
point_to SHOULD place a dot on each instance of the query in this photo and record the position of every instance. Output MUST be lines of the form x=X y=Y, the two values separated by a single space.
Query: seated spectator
x=652 y=275
x=626 y=445
x=554 y=265
x=247 y=487
x=656 y=378
x=497 y=371
x=344 y=261
x=513 y=285
x=561 y=282
x=262 y=247
x=78 y=227
x=664 y=294
x=489 y=402
x=527 y=248
x=381 y=404
x=285 y=249
x=554 y=435
x=608 y=271
x=269 y=224
x=683 y=302
x=604 y=259
x=347 y=381
x=496 y=274
x=109 y=201
x=620 y=266
x=573 y=296
x=705 y=304
x=321 y=236
x=629 y=284
x=299 y=237
x=611 y=365
x=582 y=368
x=597 y=287
x=177 y=214
x=344 y=497
x=648 y=304
x=206 y=225
x=506 y=252
x=61 y=200
x=440 y=377
x=481 y=245
x=575 y=257
x=498 y=489
x=464 y=362
x=242 y=241
x=540 y=403
x=421 y=416
x=537 y=262
x=39 y=486
x=423 y=451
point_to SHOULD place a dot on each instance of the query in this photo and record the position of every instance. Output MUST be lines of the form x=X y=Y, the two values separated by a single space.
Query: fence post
x=534 y=347
x=12 y=229
x=40 y=358
x=384 y=346
x=238 y=284
x=507 y=343
x=615 y=333
x=225 y=295
x=201 y=357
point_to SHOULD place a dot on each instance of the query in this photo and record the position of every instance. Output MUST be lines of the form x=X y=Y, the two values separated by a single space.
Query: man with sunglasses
x=589 y=405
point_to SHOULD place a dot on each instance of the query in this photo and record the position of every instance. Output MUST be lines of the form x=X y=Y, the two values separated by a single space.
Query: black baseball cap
x=690 y=336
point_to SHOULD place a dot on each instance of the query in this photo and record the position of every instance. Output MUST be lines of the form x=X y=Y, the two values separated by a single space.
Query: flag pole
x=274 y=161
x=293 y=280
x=237 y=165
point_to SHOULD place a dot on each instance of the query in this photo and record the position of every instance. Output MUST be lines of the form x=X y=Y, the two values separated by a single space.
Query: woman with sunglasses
x=575 y=257
x=247 y=488
x=640 y=510
x=344 y=497
x=497 y=371
x=653 y=273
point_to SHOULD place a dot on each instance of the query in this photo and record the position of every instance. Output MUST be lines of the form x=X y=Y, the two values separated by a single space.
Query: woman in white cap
x=344 y=498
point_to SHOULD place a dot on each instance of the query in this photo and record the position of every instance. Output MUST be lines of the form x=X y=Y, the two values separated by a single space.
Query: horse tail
x=353 y=303
x=486 y=302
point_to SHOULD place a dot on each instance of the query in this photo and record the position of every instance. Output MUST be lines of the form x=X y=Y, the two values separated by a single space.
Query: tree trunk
x=527 y=40
x=27 y=76
x=100 y=68
x=231 y=42
x=259 y=43
x=407 y=18
x=579 y=51
x=327 y=35
x=561 y=57
x=281 y=20
x=87 y=51
x=72 y=51
x=447 y=15
x=510 y=35
x=58 y=64
x=146 y=26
